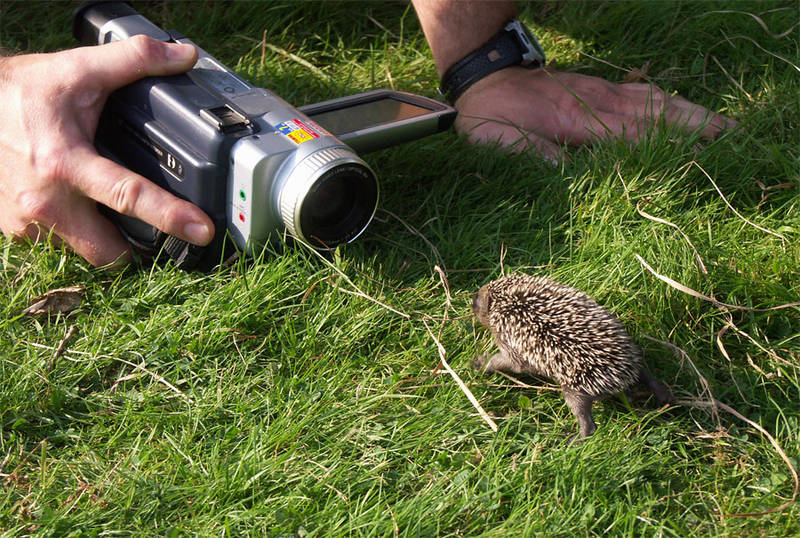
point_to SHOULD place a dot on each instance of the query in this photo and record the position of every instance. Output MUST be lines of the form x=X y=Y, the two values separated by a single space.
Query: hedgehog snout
x=480 y=306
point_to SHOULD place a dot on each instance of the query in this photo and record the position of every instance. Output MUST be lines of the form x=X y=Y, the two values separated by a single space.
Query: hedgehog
x=545 y=328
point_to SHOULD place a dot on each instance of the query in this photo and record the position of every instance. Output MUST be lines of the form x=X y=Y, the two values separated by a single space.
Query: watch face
x=532 y=52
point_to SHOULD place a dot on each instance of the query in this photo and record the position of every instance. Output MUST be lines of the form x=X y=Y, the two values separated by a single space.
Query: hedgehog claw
x=575 y=439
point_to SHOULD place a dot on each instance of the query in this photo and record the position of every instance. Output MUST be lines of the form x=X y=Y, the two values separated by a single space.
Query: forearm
x=454 y=28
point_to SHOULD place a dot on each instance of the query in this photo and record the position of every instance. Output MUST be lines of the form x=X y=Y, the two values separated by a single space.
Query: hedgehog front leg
x=499 y=362
x=581 y=406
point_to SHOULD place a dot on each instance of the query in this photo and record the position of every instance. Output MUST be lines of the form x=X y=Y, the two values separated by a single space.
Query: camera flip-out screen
x=381 y=118
x=362 y=116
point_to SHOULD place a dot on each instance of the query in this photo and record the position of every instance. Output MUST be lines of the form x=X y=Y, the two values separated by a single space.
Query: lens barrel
x=329 y=198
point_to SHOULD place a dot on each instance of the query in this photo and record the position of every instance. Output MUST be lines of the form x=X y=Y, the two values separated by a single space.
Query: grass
x=274 y=398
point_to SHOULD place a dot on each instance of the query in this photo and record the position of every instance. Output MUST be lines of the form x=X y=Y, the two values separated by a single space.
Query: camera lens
x=327 y=205
x=339 y=205
x=328 y=197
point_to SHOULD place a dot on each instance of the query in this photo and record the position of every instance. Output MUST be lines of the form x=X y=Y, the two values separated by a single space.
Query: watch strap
x=501 y=51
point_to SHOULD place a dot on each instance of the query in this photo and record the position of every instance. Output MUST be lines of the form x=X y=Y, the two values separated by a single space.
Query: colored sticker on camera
x=318 y=128
x=297 y=131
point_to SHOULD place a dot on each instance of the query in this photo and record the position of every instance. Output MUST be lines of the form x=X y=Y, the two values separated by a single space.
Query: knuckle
x=124 y=195
x=657 y=92
x=574 y=109
x=36 y=207
x=609 y=92
x=6 y=71
x=61 y=72
x=171 y=215
x=657 y=95
x=76 y=84
x=72 y=71
x=145 y=50
x=49 y=162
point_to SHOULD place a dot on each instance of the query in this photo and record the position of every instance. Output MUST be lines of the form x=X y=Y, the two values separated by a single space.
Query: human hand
x=542 y=109
x=51 y=177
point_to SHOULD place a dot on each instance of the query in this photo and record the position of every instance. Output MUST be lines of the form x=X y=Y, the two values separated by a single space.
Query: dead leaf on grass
x=60 y=301
x=638 y=74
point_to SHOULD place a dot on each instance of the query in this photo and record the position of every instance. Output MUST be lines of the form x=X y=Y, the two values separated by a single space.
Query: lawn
x=304 y=394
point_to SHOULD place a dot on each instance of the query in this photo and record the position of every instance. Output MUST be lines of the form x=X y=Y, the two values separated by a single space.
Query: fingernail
x=197 y=233
x=179 y=52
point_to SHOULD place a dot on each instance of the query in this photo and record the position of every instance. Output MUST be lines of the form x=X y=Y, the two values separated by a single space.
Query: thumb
x=119 y=63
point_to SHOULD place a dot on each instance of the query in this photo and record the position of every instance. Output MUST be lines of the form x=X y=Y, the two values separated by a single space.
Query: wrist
x=513 y=45
x=453 y=50
x=454 y=28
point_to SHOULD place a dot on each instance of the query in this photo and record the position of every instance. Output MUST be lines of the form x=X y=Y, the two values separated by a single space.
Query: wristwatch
x=513 y=45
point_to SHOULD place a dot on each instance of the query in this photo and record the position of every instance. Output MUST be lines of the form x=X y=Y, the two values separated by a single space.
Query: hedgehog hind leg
x=581 y=406
x=660 y=392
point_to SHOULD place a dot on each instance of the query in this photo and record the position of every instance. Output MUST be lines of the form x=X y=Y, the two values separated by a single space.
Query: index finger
x=649 y=101
x=133 y=195
x=691 y=116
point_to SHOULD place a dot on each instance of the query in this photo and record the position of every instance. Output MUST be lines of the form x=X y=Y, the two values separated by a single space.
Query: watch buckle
x=534 y=53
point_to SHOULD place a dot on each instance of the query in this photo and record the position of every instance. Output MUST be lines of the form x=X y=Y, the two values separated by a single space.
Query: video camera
x=253 y=162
